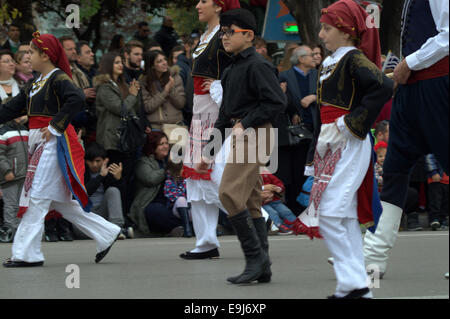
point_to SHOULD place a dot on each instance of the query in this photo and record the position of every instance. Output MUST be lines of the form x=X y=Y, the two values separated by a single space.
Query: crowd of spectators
x=143 y=191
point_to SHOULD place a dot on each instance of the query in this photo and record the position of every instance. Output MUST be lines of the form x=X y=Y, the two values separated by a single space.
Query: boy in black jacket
x=252 y=97
x=103 y=184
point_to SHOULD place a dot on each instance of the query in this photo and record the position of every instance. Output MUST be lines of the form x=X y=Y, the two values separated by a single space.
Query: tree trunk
x=390 y=28
x=307 y=13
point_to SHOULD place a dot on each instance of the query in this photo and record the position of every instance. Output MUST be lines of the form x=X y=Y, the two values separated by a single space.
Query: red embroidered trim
x=299 y=228
x=22 y=210
x=192 y=174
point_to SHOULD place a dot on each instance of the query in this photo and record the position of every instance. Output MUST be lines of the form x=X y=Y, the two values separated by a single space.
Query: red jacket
x=271 y=179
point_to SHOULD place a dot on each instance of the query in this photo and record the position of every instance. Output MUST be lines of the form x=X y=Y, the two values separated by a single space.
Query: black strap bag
x=298 y=133
x=130 y=132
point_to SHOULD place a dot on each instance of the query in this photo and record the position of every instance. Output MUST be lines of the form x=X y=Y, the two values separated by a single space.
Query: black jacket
x=58 y=99
x=213 y=61
x=92 y=184
x=251 y=92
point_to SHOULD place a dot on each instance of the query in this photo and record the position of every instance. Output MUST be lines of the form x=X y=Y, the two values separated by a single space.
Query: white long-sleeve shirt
x=437 y=47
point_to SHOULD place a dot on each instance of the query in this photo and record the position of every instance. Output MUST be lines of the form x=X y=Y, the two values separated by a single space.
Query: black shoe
x=257 y=261
x=6 y=235
x=66 y=237
x=102 y=254
x=413 y=222
x=435 y=225
x=210 y=254
x=8 y=263
x=355 y=294
x=51 y=236
x=63 y=229
x=184 y=216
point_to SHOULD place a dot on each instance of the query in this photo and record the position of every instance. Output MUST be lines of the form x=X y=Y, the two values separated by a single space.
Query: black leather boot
x=256 y=260
x=184 y=215
x=261 y=230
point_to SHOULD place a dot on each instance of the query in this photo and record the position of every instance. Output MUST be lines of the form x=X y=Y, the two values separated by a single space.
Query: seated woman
x=162 y=91
x=151 y=210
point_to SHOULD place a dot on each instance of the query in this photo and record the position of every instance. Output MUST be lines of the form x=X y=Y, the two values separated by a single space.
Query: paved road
x=150 y=268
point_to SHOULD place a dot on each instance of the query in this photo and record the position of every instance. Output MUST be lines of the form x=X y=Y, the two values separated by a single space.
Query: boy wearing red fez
x=352 y=90
x=419 y=119
x=56 y=158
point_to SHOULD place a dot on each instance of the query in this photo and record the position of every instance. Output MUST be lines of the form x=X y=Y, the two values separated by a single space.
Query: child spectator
x=103 y=184
x=412 y=200
x=437 y=194
x=278 y=212
x=175 y=191
x=380 y=150
x=13 y=168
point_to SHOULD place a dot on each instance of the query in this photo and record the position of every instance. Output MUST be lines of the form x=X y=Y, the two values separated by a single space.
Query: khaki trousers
x=241 y=184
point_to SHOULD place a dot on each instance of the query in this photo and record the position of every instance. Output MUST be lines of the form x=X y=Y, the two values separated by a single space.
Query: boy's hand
x=46 y=134
x=238 y=129
x=116 y=170
x=9 y=177
x=272 y=188
x=104 y=169
x=266 y=196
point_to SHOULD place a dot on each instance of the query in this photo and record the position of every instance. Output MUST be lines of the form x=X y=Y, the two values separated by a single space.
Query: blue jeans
x=278 y=211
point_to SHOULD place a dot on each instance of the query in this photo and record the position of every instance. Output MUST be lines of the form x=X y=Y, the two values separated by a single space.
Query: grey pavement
x=150 y=268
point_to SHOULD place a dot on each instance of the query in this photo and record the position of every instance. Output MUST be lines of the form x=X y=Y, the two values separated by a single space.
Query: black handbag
x=298 y=133
x=130 y=132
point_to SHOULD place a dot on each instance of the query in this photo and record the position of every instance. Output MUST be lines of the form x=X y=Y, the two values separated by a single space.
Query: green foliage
x=7 y=14
x=88 y=8
x=185 y=20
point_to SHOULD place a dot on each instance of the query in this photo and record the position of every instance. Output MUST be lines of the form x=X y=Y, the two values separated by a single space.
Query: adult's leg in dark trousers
x=160 y=218
x=432 y=95
x=436 y=195
x=406 y=145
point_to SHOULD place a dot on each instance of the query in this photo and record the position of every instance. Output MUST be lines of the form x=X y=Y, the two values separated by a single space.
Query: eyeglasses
x=229 y=33
x=311 y=55
x=9 y=61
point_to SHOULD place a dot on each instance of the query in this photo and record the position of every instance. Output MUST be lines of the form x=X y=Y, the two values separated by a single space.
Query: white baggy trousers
x=49 y=192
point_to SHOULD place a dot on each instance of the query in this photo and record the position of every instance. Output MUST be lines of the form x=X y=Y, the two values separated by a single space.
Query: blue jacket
x=432 y=166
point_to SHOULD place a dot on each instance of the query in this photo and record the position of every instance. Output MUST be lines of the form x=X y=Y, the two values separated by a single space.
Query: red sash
x=435 y=71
